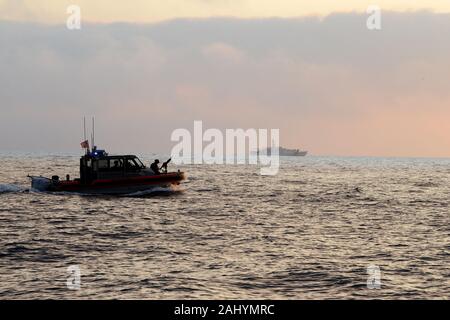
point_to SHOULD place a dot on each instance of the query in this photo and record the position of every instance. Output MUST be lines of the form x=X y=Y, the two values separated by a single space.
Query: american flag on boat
x=85 y=144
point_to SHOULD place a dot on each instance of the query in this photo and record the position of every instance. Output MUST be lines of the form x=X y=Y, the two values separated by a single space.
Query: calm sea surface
x=310 y=232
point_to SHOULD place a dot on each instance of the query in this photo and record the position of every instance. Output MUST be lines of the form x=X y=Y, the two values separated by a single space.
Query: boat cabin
x=99 y=165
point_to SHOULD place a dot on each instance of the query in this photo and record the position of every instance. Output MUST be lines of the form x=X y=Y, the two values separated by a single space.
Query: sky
x=145 y=11
x=310 y=68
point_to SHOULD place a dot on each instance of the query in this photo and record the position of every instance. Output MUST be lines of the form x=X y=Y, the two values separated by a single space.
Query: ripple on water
x=309 y=232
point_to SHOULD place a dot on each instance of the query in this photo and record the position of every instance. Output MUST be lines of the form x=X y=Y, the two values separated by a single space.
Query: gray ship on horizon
x=284 y=152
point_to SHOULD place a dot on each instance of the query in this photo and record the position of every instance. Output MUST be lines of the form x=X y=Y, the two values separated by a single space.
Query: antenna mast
x=93 y=132
x=84 y=131
x=84 y=127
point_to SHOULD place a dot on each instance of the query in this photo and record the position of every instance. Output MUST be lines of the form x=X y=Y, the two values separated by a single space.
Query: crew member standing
x=154 y=167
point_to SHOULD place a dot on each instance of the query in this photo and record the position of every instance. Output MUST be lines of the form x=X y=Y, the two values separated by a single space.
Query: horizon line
x=18 y=152
x=316 y=16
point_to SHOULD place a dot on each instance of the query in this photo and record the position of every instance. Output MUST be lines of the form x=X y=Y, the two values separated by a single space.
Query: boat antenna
x=93 y=132
x=84 y=132
x=84 y=127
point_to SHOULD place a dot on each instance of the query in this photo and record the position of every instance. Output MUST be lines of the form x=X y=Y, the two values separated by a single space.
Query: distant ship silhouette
x=286 y=152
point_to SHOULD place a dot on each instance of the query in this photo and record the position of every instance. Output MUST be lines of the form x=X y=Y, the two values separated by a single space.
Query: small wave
x=10 y=188
x=426 y=184
x=154 y=191
x=26 y=252
x=294 y=181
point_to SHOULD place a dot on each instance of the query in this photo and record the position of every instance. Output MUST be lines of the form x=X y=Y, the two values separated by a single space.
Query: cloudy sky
x=310 y=68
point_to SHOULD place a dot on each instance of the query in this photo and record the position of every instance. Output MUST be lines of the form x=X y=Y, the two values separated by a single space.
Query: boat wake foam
x=11 y=188
x=155 y=191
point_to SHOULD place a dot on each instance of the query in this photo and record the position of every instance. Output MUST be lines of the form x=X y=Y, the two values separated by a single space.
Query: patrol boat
x=103 y=174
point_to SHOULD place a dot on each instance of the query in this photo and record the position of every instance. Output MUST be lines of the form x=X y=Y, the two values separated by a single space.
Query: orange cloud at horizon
x=148 y=11
x=389 y=134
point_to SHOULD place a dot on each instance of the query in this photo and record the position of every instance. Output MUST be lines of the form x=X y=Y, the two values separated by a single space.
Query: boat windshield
x=139 y=162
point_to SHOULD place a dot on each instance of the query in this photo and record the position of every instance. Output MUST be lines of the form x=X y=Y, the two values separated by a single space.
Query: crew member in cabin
x=154 y=167
x=116 y=165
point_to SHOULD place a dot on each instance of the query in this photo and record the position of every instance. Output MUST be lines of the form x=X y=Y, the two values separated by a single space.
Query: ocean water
x=310 y=232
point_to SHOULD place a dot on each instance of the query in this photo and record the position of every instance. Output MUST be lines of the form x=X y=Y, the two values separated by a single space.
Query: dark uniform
x=154 y=167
